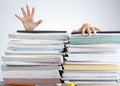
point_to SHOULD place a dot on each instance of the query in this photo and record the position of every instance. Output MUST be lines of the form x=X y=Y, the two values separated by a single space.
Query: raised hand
x=28 y=18
x=87 y=28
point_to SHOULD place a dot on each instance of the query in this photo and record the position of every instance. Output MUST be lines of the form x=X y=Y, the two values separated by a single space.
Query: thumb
x=38 y=22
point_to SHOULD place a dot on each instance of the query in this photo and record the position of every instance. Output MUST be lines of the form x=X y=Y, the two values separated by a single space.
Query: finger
x=77 y=30
x=97 y=29
x=33 y=12
x=83 y=31
x=89 y=32
x=28 y=10
x=38 y=22
x=23 y=11
x=93 y=30
x=20 y=18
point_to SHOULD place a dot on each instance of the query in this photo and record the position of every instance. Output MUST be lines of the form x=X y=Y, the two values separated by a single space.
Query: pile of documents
x=40 y=57
x=34 y=57
x=94 y=59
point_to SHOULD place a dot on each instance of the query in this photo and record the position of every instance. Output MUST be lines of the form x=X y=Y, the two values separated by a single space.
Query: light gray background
x=59 y=15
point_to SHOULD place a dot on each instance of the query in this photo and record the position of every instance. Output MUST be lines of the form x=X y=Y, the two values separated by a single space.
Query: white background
x=59 y=15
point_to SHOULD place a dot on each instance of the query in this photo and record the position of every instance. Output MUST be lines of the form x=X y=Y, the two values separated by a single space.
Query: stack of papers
x=34 y=57
x=94 y=59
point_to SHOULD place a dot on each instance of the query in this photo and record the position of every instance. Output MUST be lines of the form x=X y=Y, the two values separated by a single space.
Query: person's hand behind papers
x=28 y=18
x=30 y=24
x=87 y=28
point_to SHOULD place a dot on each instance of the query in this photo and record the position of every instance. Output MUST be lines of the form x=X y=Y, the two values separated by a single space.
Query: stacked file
x=94 y=59
x=34 y=57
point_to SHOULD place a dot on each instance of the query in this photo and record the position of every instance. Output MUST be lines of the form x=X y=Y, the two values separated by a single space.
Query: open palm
x=28 y=18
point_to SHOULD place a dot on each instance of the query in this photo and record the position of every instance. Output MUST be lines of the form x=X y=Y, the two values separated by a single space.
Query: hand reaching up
x=87 y=28
x=28 y=18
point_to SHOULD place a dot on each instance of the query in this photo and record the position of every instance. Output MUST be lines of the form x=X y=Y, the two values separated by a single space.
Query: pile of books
x=34 y=57
x=94 y=59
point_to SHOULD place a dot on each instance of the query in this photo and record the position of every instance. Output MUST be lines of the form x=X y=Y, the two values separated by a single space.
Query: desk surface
x=82 y=84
